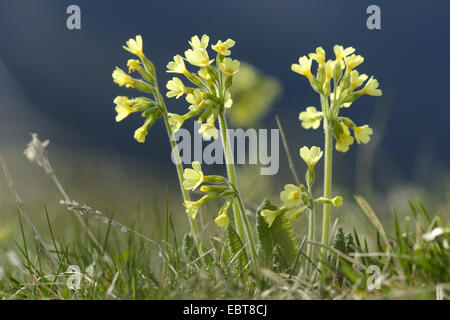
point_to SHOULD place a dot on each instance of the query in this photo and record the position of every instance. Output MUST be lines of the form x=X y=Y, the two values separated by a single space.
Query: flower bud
x=209 y=188
x=337 y=73
x=215 y=179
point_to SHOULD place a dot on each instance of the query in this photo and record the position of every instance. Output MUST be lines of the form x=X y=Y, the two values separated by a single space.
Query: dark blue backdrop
x=67 y=74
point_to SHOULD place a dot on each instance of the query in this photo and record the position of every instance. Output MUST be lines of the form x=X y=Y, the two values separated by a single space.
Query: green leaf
x=283 y=236
x=265 y=240
x=189 y=248
x=235 y=248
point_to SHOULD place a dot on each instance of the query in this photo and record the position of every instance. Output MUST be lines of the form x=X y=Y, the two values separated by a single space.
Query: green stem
x=238 y=215
x=247 y=226
x=311 y=232
x=327 y=187
x=238 y=206
x=179 y=167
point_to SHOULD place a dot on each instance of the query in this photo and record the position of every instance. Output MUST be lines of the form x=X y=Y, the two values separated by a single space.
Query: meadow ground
x=147 y=254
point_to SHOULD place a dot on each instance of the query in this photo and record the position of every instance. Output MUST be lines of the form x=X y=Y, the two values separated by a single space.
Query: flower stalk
x=179 y=167
x=327 y=189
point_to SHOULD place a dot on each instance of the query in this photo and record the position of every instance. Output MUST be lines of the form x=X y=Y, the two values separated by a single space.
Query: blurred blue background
x=65 y=75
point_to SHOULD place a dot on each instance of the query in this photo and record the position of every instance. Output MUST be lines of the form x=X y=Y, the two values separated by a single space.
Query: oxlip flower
x=195 y=99
x=198 y=57
x=177 y=65
x=291 y=195
x=196 y=43
x=303 y=67
x=135 y=46
x=229 y=66
x=193 y=177
x=371 y=88
x=223 y=47
x=208 y=131
x=311 y=156
x=310 y=118
x=122 y=79
x=176 y=88
x=362 y=134
x=344 y=140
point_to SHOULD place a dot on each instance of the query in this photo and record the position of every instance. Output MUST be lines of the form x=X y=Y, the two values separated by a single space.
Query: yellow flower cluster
x=193 y=178
x=295 y=200
x=125 y=106
x=211 y=95
x=348 y=85
x=292 y=205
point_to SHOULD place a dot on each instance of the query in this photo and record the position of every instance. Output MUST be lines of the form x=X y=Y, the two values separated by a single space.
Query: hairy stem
x=311 y=232
x=248 y=231
x=238 y=215
x=327 y=187
x=179 y=167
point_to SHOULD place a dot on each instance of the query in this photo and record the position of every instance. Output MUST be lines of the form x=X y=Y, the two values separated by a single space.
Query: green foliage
x=132 y=268
x=279 y=236
x=236 y=250
x=265 y=241
x=189 y=248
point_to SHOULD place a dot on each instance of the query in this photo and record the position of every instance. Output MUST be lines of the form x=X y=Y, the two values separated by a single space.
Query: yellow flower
x=193 y=177
x=229 y=66
x=228 y=101
x=208 y=131
x=342 y=53
x=356 y=79
x=311 y=156
x=222 y=47
x=177 y=65
x=337 y=201
x=198 y=57
x=222 y=220
x=135 y=46
x=303 y=67
x=196 y=43
x=344 y=140
x=270 y=215
x=291 y=195
x=141 y=133
x=176 y=88
x=133 y=65
x=310 y=118
x=195 y=99
x=123 y=109
x=122 y=79
x=362 y=134
x=175 y=121
x=371 y=88
x=319 y=56
x=191 y=208
x=353 y=61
